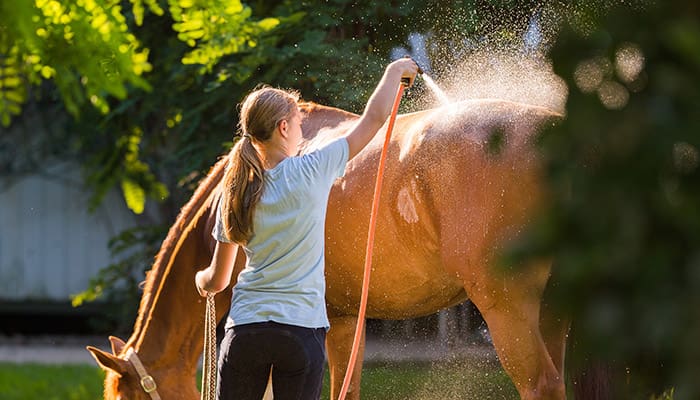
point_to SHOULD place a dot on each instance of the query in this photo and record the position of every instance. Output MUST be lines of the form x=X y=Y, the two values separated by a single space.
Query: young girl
x=274 y=205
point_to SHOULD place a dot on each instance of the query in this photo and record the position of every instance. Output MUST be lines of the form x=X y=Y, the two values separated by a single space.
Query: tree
x=48 y=39
x=88 y=50
x=623 y=167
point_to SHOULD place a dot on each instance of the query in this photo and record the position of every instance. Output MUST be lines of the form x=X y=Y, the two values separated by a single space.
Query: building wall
x=50 y=244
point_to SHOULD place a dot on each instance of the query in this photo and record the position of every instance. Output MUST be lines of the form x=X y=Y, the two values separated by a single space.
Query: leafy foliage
x=216 y=29
x=84 y=46
x=624 y=170
x=12 y=96
x=89 y=49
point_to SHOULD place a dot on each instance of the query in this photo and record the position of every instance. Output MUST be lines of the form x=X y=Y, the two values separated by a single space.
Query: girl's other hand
x=198 y=284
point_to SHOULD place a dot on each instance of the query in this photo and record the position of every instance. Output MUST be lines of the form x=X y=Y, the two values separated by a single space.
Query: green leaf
x=12 y=81
x=16 y=96
x=86 y=48
x=268 y=23
x=134 y=195
x=188 y=25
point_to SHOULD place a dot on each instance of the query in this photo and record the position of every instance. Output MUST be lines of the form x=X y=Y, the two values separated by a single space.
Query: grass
x=50 y=382
x=385 y=381
x=438 y=380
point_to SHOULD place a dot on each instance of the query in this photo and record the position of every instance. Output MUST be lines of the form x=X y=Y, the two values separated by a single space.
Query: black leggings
x=295 y=355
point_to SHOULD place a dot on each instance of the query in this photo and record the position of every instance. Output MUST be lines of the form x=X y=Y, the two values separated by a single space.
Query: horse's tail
x=188 y=213
x=587 y=378
x=590 y=379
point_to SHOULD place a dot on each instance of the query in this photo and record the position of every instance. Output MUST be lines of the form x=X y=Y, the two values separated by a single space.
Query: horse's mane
x=157 y=274
x=324 y=117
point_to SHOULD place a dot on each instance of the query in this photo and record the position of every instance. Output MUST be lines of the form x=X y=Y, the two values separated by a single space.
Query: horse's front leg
x=338 y=346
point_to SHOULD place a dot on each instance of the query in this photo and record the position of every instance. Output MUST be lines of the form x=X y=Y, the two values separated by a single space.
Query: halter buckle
x=148 y=384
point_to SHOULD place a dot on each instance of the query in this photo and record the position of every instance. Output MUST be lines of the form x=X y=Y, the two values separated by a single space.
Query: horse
x=461 y=182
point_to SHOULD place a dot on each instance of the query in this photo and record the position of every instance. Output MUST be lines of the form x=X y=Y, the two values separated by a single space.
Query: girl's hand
x=406 y=68
x=198 y=283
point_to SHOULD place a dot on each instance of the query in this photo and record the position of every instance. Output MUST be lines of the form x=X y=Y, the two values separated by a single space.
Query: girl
x=273 y=204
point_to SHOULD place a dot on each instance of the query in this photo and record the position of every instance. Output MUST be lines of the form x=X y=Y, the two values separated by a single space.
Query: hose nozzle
x=407 y=81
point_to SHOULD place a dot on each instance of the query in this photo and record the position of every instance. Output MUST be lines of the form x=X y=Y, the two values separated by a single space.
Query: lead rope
x=370 y=244
x=209 y=353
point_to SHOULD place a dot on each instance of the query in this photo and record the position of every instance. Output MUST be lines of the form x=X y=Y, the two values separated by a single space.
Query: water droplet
x=629 y=62
x=613 y=95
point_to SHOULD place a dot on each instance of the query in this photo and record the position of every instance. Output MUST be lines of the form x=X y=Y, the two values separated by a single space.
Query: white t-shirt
x=283 y=280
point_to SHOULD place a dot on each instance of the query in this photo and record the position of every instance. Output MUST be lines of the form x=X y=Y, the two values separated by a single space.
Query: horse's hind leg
x=510 y=305
x=338 y=346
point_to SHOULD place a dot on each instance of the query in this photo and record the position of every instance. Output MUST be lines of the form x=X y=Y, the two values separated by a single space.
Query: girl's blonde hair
x=261 y=112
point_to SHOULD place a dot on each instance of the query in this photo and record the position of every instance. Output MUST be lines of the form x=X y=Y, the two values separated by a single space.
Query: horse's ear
x=117 y=345
x=108 y=361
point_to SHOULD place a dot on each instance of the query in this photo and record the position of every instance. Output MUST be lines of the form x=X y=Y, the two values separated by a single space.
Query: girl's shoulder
x=323 y=164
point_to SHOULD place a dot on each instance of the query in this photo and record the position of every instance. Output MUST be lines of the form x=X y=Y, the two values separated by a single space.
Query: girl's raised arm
x=379 y=105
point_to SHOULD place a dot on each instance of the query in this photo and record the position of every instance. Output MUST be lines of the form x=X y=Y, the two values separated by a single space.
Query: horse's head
x=126 y=378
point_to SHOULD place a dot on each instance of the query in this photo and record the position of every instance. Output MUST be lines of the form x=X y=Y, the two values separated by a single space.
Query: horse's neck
x=318 y=118
x=169 y=328
x=175 y=328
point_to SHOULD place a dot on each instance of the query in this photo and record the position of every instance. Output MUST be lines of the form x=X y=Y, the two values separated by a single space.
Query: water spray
x=439 y=93
x=442 y=97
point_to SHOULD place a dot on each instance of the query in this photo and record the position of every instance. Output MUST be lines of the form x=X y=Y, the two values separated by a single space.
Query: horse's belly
x=399 y=289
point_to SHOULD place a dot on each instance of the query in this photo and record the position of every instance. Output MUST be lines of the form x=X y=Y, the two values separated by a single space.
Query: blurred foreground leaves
x=624 y=171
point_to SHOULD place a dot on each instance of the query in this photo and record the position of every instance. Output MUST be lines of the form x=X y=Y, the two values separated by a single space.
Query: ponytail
x=243 y=188
x=261 y=112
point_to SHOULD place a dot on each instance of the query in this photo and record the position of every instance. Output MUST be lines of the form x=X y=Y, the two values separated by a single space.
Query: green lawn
x=44 y=382
x=454 y=380
x=386 y=381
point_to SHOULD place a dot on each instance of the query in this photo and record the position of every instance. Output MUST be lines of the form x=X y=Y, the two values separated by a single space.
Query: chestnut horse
x=452 y=198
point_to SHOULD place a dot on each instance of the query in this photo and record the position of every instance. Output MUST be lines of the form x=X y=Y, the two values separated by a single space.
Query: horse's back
x=441 y=180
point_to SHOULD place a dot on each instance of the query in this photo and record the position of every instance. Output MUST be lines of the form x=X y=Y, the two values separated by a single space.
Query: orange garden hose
x=370 y=243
